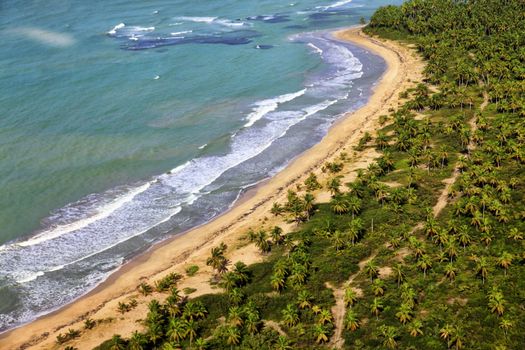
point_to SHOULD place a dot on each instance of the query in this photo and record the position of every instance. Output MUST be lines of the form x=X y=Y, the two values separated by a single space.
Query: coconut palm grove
x=425 y=249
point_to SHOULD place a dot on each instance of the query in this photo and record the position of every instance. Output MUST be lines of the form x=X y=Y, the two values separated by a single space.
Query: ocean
x=125 y=123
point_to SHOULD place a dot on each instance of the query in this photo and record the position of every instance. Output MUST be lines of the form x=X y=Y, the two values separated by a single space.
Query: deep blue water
x=122 y=123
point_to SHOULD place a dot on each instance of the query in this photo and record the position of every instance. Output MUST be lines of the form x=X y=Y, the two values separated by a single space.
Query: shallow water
x=124 y=123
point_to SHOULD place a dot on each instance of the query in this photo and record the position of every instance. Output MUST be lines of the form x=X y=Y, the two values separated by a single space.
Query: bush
x=192 y=270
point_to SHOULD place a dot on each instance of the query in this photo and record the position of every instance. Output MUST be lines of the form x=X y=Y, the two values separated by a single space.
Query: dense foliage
x=408 y=273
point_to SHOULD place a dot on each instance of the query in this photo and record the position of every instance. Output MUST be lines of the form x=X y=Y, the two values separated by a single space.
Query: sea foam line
x=37 y=274
x=103 y=212
x=337 y=4
x=266 y=106
x=196 y=19
x=315 y=48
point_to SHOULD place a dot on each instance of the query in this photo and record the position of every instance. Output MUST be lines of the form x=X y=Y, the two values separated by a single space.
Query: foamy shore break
x=192 y=248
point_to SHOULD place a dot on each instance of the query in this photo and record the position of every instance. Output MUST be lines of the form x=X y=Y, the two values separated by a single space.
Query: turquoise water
x=124 y=123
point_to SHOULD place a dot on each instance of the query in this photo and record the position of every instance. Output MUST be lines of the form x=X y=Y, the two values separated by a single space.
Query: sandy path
x=339 y=309
x=253 y=211
x=443 y=198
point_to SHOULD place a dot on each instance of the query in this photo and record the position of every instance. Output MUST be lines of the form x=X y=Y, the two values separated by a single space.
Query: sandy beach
x=192 y=248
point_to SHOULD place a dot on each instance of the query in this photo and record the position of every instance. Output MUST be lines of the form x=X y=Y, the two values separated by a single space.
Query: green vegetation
x=406 y=272
x=192 y=270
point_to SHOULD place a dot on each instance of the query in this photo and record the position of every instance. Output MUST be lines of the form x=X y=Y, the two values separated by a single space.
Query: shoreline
x=192 y=246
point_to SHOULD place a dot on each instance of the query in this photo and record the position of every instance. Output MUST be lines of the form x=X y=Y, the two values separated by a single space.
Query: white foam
x=309 y=111
x=114 y=244
x=316 y=49
x=103 y=212
x=202 y=147
x=143 y=29
x=28 y=277
x=196 y=19
x=228 y=23
x=179 y=168
x=115 y=28
x=129 y=31
x=157 y=77
x=266 y=106
x=182 y=32
x=337 y=4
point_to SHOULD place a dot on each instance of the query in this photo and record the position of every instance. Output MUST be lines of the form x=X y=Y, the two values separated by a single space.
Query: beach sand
x=404 y=69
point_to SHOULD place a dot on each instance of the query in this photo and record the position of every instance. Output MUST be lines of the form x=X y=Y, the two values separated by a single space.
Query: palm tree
x=389 y=335
x=229 y=281
x=177 y=330
x=277 y=209
x=482 y=267
x=415 y=328
x=308 y=202
x=371 y=269
x=194 y=310
x=398 y=272
x=312 y=183
x=339 y=205
x=320 y=333
x=464 y=235
x=261 y=241
x=451 y=249
x=378 y=287
x=325 y=316
x=338 y=240
x=351 y=321
x=283 y=343
x=376 y=307
x=456 y=338
x=354 y=204
x=515 y=234
x=241 y=272
x=404 y=314
x=505 y=261
x=450 y=271
x=290 y=315
x=137 y=341
x=277 y=235
x=217 y=260
x=155 y=332
x=145 y=289
x=278 y=281
x=333 y=186
x=304 y=299
x=191 y=331
x=233 y=336
x=201 y=344
x=496 y=302
x=506 y=324
x=381 y=140
x=446 y=332
x=235 y=316
x=117 y=343
x=350 y=297
x=236 y=296
x=252 y=322
x=424 y=264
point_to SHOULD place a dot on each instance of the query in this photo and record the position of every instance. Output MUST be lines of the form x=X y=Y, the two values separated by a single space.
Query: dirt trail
x=339 y=309
x=443 y=198
x=275 y=326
